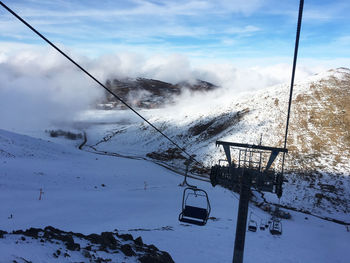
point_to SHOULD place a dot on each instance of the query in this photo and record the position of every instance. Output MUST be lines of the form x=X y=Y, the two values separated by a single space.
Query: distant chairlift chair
x=252 y=225
x=194 y=214
x=263 y=225
x=276 y=227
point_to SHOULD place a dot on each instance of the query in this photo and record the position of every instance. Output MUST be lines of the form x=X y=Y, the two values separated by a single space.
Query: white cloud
x=37 y=90
x=39 y=87
x=138 y=8
x=141 y=19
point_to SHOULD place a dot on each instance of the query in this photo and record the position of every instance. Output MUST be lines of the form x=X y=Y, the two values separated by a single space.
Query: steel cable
x=98 y=82
x=300 y=15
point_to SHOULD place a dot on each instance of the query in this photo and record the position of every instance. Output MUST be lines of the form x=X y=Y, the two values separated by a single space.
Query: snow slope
x=89 y=193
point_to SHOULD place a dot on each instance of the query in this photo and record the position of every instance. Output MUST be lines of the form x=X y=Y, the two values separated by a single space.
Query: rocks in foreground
x=70 y=247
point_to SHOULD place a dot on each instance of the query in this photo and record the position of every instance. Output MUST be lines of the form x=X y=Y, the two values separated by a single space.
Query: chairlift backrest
x=262 y=225
x=252 y=226
x=276 y=227
x=191 y=212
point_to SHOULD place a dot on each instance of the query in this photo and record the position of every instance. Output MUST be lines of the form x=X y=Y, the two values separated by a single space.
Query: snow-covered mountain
x=319 y=144
x=149 y=93
x=54 y=197
x=49 y=182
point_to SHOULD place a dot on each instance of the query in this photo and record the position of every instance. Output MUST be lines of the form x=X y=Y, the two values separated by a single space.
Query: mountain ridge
x=149 y=93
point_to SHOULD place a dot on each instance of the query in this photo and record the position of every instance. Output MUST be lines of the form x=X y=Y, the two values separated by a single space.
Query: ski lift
x=195 y=206
x=252 y=225
x=276 y=227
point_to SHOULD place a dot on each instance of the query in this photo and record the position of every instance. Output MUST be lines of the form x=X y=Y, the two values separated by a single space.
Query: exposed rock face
x=320 y=126
x=106 y=247
x=148 y=93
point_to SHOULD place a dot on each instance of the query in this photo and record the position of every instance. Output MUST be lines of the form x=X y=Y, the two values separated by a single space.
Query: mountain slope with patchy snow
x=319 y=144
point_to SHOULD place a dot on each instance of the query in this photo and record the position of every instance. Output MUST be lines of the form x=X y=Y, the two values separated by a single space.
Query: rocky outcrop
x=96 y=248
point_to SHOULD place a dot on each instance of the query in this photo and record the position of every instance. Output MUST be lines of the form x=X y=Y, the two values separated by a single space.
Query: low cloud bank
x=39 y=88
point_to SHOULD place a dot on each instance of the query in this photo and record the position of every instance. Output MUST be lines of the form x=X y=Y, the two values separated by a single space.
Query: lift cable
x=98 y=82
x=301 y=6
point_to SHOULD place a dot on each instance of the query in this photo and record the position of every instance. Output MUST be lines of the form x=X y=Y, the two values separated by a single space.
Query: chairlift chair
x=252 y=226
x=276 y=227
x=266 y=225
x=194 y=214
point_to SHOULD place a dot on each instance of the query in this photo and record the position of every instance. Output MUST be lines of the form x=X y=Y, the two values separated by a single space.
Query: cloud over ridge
x=39 y=87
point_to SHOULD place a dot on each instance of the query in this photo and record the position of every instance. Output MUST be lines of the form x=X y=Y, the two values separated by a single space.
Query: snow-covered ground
x=89 y=193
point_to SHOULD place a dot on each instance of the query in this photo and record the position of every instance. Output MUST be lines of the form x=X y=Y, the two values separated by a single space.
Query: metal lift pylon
x=251 y=170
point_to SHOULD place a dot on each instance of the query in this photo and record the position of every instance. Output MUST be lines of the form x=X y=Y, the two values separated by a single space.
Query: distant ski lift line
x=97 y=81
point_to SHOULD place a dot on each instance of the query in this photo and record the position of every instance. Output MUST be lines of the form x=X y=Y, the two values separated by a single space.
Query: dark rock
x=73 y=246
x=68 y=240
x=162 y=257
x=32 y=232
x=2 y=233
x=125 y=237
x=94 y=238
x=86 y=254
x=101 y=260
x=88 y=248
x=153 y=247
x=53 y=230
x=138 y=241
x=127 y=250
x=103 y=248
x=108 y=240
x=80 y=235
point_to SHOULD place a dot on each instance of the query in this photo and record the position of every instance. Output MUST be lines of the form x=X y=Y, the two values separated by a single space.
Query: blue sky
x=246 y=31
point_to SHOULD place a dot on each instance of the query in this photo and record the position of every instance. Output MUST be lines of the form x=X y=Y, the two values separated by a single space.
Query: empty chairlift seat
x=263 y=225
x=195 y=206
x=252 y=226
x=276 y=227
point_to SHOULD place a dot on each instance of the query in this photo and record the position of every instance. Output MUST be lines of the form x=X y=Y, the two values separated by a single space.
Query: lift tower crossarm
x=252 y=146
x=250 y=174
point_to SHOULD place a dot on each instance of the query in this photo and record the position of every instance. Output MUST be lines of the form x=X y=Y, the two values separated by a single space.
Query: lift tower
x=250 y=167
